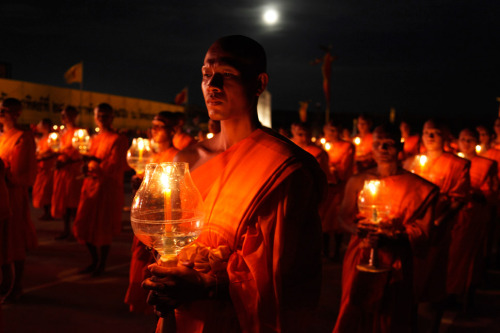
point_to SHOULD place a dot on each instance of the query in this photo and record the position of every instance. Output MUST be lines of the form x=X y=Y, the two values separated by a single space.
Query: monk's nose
x=216 y=82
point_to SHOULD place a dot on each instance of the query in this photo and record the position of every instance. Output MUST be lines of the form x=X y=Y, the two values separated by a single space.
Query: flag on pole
x=74 y=74
x=182 y=97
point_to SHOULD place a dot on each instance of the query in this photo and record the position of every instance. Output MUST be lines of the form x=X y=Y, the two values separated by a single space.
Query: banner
x=44 y=101
x=74 y=74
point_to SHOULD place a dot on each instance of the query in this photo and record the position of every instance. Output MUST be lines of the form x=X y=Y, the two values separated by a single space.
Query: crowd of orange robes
x=68 y=177
x=136 y=296
x=98 y=218
x=17 y=150
x=42 y=188
x=380 y=302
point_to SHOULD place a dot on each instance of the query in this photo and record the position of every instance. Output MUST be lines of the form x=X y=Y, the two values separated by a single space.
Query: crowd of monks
x=426 y=243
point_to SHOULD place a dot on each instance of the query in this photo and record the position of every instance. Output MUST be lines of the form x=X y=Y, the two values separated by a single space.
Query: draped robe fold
x=261 y=197
x=42 y=188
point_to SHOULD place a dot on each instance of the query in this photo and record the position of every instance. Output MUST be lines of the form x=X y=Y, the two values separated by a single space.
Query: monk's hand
x=174 y=286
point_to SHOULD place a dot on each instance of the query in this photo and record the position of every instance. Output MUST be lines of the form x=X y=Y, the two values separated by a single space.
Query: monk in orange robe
x=301 y=136
x=46 y=157
x=469 y=234
x=411 y=142
x=496 y=138
x=68 y=177
x=363 y=142
x=181 y=139
x=257 y=263
x=341 y=167
x=485 y=138
x=17 y=152
x=451 y=174
x=383 y=301
x=162 y=131
x=99 y=214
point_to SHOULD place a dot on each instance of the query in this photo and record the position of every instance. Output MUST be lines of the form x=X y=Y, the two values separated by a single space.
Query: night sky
x=420 y=57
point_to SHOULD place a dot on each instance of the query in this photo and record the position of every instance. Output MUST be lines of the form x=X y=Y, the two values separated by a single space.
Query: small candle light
x=81 y=141
x=357 y=141
x=140 y=147
x=328 y=146
x=54 y=141
x=210 y=135
x=402 y=140
x=460 y=154
x=422 y=159
x=478 y=149
x=97 y=129
x=323 y=141
x=167 y=192
x=55 y=127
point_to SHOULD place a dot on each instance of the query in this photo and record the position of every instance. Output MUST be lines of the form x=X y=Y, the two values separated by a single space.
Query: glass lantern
x=54 y=141
x=81 y=141
x=139 y=154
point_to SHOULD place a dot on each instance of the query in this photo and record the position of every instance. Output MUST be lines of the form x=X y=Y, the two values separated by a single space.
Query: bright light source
x=270 y=16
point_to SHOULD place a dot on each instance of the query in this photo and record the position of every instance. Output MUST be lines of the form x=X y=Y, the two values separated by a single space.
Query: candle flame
x=478 y=149
x=140 y=144
x=53 y=136
x=462 y=155
x=373 y=186
x=357 y=141
x=423 y=160
x=210 y=135
x=323 y=141
x=328 y=146
x=402 y=140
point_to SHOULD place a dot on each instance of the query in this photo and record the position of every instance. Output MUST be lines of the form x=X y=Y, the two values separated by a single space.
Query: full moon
x=270 y=16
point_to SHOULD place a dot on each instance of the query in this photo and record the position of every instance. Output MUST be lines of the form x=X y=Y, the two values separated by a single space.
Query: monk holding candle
x=451 y=174
x=99 y=214
x=17 y=152
x=162 y=131
x=469 y=234
x=383 y=301
x=44 y=181
x=341 y=167
x=68 y=178
x=257 y=263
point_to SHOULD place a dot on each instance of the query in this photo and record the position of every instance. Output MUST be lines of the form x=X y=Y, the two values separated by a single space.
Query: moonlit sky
x=420 y=57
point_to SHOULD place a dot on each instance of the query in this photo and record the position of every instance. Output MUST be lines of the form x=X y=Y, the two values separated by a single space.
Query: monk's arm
x=22 y=170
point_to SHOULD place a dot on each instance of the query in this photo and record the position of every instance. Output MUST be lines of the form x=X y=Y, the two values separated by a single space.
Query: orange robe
x=320 y=155
x=411 y=146
x=136 y=296
x=363 y=157
x=469 y=234
x=68 y=178
x=99 y=214
x=341 y=162
x=42 y=188
x=263 y=233
x=382 y=302
x=182 y=140
x=17 y=151
x=451 y=174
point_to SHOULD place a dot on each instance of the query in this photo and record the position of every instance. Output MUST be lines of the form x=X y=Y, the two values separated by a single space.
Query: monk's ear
x=262 y=81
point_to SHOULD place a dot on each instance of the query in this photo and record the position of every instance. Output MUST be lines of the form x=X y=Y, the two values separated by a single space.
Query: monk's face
x=230 y=92
x=363 y=125
x=8 y=115
x=103 y=119
x=432 y=137
x=332 y=133
x=299 y=135
x=496 y=127
x=162 y=132
x=67 y=117
x=467 y=142
x=384 y=148
x=484 y=136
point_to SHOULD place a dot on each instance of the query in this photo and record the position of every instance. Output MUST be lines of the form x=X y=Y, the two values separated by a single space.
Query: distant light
x=357 y=141
x=462 y=155
x=61 y=127
x=313 y=139
x=402 y=140
x=270 y=16
x=328 y=146
x=97 y=129
x=210 y=135
x=54 y=127
x=323 y=141
x=478 y=149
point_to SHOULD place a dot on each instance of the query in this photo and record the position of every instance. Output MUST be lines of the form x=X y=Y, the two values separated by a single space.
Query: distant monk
x=363 y=142
x=181 y=139
x=68 y=177
x=162 y=131
x=496 y=139
x=17 y=152
x=44 y=181
x=341 y=167
x=411 y=142
x=469 y=234
x=451 y=174
x=383 y=302
x=301 y=136
x=257 y=262
x=99 y=214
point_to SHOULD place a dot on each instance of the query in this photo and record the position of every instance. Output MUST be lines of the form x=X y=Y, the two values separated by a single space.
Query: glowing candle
x=478 y=149
x=210 y=135
x=357 y=141
x=167 y=193
x=140 y=146
x=462 y=155
x=328 y=146
x=323 y=141
x=422 y=159
x=402 y=140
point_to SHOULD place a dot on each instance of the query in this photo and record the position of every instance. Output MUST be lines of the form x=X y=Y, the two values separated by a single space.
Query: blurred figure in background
x=68 y=177
x=99 y=214
x=363 y=144
x=341 y=167
x=411 y=142
x=17 y=152
x=301 y=136
x=44 y=182
x=181 y=139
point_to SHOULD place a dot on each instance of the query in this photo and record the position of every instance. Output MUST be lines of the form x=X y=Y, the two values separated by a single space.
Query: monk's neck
x=387 y=169
x=164 y=146
x=434 y=154
x=235 y=130
x=106 y=130
x=8 y=126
